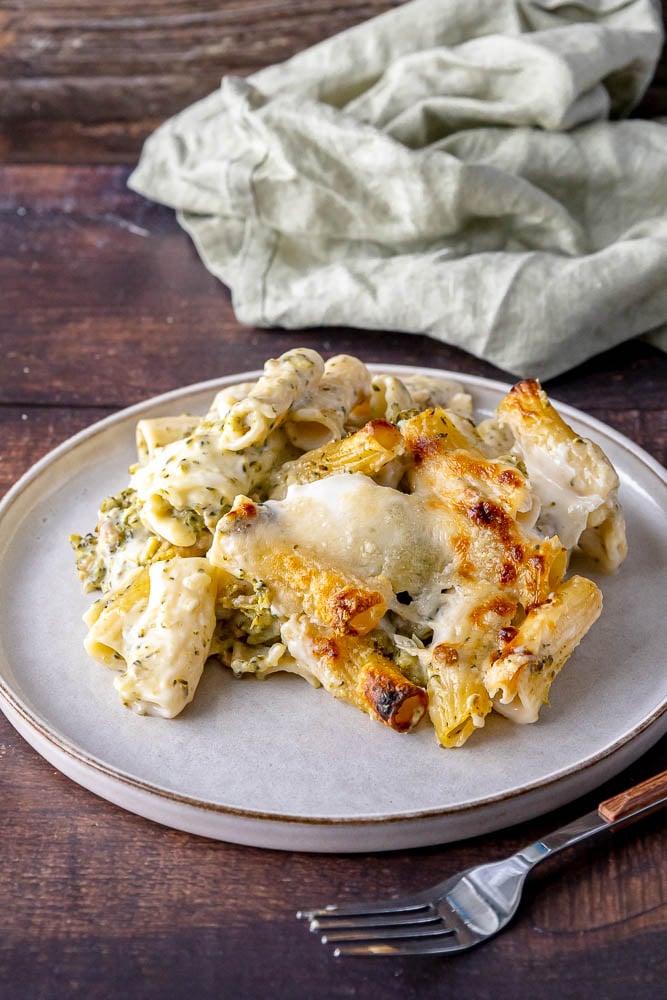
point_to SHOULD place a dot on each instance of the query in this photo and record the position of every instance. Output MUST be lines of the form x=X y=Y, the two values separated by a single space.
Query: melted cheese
x=392 y=541
x=566 y=502
x=571 y=477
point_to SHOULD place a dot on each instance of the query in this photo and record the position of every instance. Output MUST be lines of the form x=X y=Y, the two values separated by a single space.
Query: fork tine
x=445 y=943
x=406 y=904
x=406 y=933
x=400 y=919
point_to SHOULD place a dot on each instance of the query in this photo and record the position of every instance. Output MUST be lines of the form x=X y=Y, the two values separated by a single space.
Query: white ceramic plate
x=278 y=763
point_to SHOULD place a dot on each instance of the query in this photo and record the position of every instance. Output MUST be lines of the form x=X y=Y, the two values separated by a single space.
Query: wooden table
x=105 y=302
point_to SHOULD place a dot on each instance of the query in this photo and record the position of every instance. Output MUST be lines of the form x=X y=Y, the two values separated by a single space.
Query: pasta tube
x=389 y=397
x=368 y=451
x=573 y=478
x=463 y=635
x=323 y=412
x=110 y=619
x=166 y=646
x=249 y=421
x=155 y=433
x=458 y=702
x=519 y=679
x=352 y=669
x=226 y=398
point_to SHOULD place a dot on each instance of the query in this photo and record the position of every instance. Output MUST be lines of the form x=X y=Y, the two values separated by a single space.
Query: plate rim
x=61 y=745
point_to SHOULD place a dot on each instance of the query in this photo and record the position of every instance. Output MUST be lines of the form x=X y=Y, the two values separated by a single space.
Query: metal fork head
x=453 y=916
x=417 y=925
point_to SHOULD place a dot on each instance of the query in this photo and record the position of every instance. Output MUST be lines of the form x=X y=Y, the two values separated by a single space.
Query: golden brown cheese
x=296 y=580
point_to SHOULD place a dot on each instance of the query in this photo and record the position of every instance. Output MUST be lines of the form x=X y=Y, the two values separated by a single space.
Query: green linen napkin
x=454 y=168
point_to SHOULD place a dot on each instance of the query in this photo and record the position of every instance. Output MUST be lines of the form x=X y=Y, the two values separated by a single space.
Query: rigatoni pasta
x=361 y=530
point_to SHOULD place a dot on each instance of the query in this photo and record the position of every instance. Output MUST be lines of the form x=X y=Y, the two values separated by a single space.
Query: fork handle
x=635 y=803
x=646 y=793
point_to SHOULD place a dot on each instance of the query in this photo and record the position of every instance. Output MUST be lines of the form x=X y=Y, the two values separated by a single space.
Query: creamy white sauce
x=564 y=508
x=167 y=646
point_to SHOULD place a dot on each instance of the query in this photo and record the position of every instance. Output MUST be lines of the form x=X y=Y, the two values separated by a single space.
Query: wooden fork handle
x=641 y=795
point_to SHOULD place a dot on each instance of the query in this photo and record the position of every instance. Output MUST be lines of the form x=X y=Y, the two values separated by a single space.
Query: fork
x=473 y=905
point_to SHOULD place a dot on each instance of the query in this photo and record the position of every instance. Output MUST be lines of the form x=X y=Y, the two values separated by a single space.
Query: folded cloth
x=456 y=169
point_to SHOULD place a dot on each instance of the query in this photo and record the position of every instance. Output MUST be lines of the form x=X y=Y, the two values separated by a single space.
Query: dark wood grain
x=105 y=302
x=151 y=60
x=100 y=903
x=148 y=61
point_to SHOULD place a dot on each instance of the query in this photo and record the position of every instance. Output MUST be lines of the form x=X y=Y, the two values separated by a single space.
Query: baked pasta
x=361 y=530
